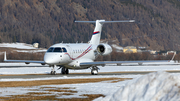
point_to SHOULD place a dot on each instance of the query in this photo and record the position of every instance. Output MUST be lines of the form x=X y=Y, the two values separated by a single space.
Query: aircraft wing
x=23 y=61
x=103 y=63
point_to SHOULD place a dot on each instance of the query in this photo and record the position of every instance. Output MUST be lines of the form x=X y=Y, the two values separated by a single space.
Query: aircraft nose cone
x=48 y=59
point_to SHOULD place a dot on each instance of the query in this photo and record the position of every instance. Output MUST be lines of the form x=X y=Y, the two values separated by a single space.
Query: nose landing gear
x=53 y=72
x=63 y=70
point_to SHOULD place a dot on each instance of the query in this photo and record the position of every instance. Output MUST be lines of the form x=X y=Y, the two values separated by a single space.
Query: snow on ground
x=32 y=51
x=28 y=47
x=17 y=45
x=105 y=87
x=118 y=48
x=157 y=86
x=37 y=69
x=70 y=77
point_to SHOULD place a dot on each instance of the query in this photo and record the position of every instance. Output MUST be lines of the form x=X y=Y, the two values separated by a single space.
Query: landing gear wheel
x=94 y=70
x=67 y=71
x=53 y=72
x=64 y=70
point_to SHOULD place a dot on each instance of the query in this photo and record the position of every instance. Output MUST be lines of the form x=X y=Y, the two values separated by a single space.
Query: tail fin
x=95 y=39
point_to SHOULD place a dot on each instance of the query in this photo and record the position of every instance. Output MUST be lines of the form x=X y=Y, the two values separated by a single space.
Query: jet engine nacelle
x=104 y=49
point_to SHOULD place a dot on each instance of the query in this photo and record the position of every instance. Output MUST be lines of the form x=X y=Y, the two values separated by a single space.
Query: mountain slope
x=52 y=21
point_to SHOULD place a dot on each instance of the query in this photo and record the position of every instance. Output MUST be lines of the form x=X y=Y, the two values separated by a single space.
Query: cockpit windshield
x=57 y=49
x=64 y=50
x=50 y=49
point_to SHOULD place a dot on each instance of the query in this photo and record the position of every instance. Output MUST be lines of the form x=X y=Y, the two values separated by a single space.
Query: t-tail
x=95 y=39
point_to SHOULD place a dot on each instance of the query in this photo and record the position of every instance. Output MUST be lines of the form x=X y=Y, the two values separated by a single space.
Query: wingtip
x=173 y=56
x=132 y=21
x=5 y=58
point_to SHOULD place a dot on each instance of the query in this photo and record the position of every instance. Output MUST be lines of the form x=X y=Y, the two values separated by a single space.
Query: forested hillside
x=51 y=21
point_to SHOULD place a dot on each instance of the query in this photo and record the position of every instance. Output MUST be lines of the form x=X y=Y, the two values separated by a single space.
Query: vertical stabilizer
x=95 y=39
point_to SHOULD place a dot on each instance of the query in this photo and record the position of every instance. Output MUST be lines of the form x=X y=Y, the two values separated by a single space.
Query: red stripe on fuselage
x=85 y=52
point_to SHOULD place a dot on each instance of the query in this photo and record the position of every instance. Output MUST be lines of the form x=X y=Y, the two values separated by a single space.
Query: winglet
x=5 y=58
x=173 y=57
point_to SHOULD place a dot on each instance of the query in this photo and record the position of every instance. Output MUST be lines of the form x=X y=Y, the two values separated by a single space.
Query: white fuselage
x=70 y=55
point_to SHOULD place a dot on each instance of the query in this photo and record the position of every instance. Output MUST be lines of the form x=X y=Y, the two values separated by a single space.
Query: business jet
x=79 y=55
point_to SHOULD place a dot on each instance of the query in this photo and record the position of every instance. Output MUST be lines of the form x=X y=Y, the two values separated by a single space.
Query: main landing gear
x=94 y=70
x=63 y=70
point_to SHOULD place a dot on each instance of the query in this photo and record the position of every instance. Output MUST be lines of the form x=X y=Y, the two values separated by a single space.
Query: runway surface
x=28 y=76
x=19 y=66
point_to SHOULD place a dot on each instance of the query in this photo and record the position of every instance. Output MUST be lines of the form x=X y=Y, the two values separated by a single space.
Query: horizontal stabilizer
x=95 y=39
x=86 y=21
x=103 y=21
x=117 y=21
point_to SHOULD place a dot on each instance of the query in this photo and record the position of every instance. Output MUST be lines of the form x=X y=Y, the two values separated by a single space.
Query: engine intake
x=104 y=49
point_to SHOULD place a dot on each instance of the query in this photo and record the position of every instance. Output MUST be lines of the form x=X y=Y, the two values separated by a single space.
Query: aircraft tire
x=63 y=70
x=67 y=71
x=94 y=72
x=53 y=72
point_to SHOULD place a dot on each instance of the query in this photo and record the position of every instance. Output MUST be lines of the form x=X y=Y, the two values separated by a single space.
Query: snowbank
x=29 y=48
x=118 y=48
x=17 y=45
x=158 y=86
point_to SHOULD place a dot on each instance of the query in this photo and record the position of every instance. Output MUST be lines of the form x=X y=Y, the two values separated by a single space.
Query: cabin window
x=57 y=49
x=50 y=49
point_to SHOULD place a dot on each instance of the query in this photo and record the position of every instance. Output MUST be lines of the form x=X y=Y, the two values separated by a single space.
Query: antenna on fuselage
x=95 y=39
